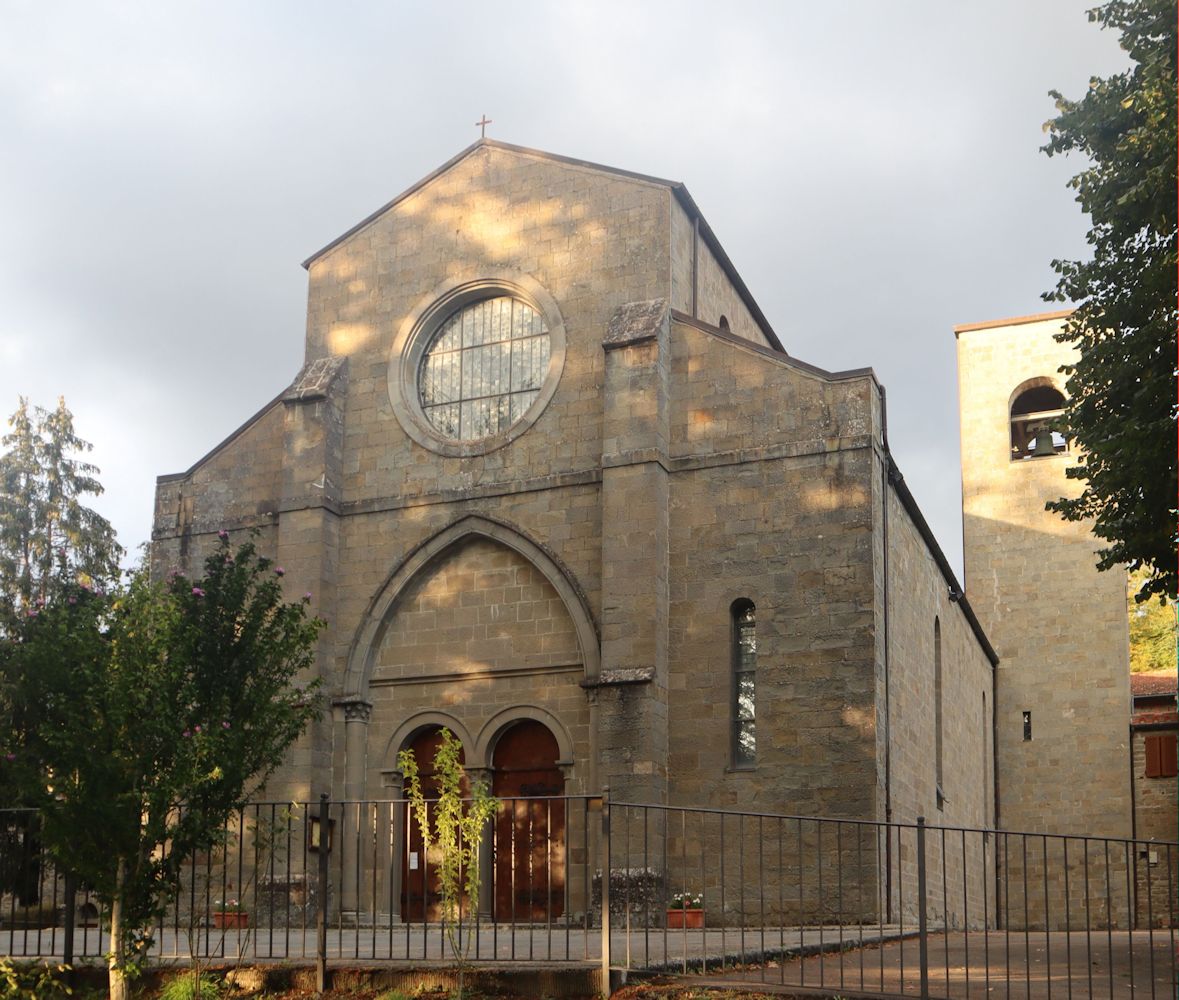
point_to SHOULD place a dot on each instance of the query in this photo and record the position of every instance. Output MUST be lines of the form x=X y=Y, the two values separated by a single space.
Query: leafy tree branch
x=1121 y=409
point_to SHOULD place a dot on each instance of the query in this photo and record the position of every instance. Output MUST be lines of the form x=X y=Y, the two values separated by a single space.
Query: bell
x=1044 y=445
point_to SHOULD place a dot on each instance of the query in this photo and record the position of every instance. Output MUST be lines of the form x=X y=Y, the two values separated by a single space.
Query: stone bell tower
x=1059 y=626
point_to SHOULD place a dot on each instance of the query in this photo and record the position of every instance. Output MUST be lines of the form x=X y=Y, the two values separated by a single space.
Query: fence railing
x=902 y=909
x=848 y=905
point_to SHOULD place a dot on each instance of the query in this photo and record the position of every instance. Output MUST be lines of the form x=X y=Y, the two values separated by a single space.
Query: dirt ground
x=90 y=985
x=651 y=991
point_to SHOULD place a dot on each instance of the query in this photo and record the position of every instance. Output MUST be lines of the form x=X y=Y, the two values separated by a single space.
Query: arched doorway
x=420 y=895
x=530 y=830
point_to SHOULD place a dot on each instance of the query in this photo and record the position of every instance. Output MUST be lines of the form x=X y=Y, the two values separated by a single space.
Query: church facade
x=555 y=484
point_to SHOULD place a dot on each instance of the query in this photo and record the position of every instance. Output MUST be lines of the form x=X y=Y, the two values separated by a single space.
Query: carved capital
x=356 y=709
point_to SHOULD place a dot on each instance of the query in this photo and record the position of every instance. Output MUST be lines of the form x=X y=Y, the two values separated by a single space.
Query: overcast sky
x=871 y=169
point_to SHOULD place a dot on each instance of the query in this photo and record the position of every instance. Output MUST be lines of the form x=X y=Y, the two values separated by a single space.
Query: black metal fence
x=845 y=905
x=901 y=909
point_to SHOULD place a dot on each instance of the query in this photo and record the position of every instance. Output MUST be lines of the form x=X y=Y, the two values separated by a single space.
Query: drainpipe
x=885 y=465
x=995 y=780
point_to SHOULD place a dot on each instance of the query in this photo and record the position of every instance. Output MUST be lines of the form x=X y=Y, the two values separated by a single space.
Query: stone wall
x=766 y=508
x=590 y=240
x=480 y=608
x=237 y=486
x=682 y=239
x=921 y=614
x=716 y=296
x=1156 y=814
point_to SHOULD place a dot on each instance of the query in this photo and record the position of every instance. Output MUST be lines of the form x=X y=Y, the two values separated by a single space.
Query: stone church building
x=556 y=484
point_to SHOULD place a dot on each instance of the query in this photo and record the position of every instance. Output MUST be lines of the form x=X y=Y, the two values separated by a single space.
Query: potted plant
x=686 y=910
x=230 y=915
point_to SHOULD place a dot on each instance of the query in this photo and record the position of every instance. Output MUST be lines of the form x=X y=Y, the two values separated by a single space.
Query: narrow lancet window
x=744 y=683
x=939 y=718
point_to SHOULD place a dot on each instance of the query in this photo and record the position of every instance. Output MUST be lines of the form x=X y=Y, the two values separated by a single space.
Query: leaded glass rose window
x=483 y=368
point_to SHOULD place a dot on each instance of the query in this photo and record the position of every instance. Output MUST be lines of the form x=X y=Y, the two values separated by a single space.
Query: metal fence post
x=922 y=929
x=605 y=860
x=67 y=936
x=322 y=895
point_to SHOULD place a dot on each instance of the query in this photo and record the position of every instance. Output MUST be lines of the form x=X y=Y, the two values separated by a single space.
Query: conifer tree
x=48 y=536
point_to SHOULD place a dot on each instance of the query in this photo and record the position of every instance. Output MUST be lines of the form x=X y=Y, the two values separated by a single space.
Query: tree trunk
x=117 y=983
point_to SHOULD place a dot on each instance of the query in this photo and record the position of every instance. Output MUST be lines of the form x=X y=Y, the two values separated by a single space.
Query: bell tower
x=1059 y=626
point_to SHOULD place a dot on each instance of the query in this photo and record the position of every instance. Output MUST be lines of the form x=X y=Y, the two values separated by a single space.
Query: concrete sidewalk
x=649 y=948
x=1117 y=965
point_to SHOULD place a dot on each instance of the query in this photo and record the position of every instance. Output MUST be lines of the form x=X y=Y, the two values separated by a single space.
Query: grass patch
x=188 y=987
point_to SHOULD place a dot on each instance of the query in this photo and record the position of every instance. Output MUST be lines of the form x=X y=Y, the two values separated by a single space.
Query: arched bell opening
x=1037 y=409
x=530 y=830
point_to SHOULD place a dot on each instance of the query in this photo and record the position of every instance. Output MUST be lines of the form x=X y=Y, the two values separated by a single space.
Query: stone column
x=632 y=686
x=357 y=713
x=307 y=512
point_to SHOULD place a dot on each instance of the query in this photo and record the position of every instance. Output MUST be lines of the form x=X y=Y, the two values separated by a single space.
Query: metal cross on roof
x=483 y=122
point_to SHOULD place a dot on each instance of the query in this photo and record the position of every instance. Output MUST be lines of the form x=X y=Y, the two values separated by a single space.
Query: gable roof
x=675 y=187
x=1153 y=685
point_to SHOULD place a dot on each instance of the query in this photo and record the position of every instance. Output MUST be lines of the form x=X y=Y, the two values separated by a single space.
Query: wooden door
x=530 y=831
x=421 y=898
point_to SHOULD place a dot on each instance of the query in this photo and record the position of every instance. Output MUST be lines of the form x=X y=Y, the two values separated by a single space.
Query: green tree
x=141 y=721
x=1121 y=409
x=47 y=534
x=456 y=833
x=1152 y=630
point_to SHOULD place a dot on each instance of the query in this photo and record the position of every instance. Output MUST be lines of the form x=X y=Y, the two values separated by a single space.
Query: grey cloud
x=871 y=169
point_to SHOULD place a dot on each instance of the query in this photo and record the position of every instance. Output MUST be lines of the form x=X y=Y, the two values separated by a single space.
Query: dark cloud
x=871 y=168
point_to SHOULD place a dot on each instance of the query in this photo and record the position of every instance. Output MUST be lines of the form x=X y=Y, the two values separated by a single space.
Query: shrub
x=32 y=981
x=191 y=987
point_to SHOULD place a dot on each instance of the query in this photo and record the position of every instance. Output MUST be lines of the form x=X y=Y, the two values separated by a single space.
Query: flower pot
x=688 y=919
x=230 y=919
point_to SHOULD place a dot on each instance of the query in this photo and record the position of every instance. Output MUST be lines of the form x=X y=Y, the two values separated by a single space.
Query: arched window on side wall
x=723 y=323
x=744 y=655
x=1036 y=408
x=938 y=714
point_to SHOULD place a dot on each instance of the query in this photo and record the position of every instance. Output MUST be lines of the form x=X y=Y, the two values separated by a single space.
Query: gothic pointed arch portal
x=375 y=624
x=480 y=630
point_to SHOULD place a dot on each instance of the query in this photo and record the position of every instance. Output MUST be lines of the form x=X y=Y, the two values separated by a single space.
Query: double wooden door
x=528 y=872
x=530 y=829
